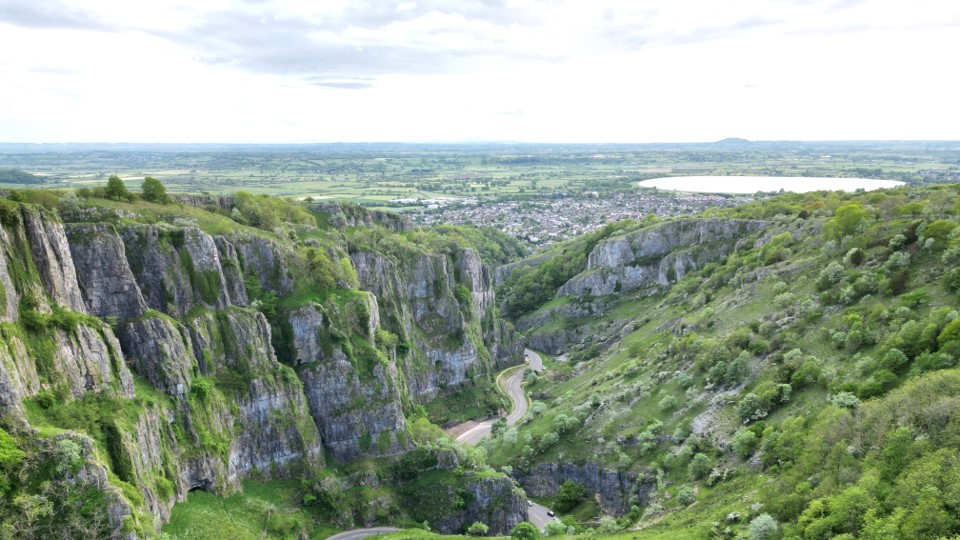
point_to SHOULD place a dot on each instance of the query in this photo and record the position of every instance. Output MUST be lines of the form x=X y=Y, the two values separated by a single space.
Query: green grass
x=265 y=510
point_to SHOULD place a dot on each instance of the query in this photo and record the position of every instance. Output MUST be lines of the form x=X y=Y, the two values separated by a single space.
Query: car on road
x=529 y=503
x=550 y=513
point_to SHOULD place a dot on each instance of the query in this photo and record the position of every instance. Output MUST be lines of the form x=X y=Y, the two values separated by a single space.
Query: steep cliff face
x=108 y=285
x=151 y=329
x=351 y=387
x=657 y=256
x=613 y=489
x=494 y=501
x=444 y=305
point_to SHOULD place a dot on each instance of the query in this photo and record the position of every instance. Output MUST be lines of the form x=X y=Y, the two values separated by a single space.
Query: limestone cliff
x=157 y=330
x=657 y=256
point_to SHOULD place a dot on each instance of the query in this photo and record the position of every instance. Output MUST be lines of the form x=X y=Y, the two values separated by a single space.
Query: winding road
x=357 y=534
x=514 y=389
x=536 y=514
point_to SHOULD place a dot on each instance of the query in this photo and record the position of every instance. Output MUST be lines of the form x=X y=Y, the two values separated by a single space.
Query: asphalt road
x=537 y=515
x=519 y=399
x=362 y=533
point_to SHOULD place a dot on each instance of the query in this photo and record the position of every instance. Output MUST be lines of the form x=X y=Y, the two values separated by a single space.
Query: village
x=542 y=222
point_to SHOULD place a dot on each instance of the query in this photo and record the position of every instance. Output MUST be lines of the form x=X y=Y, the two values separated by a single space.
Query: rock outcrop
x=494 y=501
x=613 y=489
x=351 y=388
x=440 y=304
x=107 y=284
x=658 y=255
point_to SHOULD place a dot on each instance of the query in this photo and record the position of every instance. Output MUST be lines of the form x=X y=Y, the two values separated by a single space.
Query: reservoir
x=753 y=184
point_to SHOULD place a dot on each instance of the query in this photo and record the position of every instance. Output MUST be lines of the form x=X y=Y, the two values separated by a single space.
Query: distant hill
x=734 y=140
x=16 y=176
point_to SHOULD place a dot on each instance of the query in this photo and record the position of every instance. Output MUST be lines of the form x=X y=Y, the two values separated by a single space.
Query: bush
x=699 y=466
x=569 y=495
x=744 y=443
x=751 y=407
x=525 y=531
x=667 y=403
x=477 y=529
x=763 y=527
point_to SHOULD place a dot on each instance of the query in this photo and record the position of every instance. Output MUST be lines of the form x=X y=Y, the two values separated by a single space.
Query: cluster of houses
x=545 y=221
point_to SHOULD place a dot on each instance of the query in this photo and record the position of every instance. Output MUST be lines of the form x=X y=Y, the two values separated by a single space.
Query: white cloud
x=555 y=70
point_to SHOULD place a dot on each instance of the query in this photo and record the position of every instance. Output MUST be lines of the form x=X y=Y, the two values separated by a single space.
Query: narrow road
x=538 y=515
x=517 y=396
x=362 y=533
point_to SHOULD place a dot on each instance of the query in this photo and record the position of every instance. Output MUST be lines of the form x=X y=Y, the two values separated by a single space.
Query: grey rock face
x=265 y=259
x=417 y=299
x=51 y=256
x=355 y=402
x=493 y=501
x=18 y=378
x=210 y=287
x=158 y=353
x=90 y=360
x=344 y=215
x=502 y=273
x=158 y=268
x=612 y=488
x=9 y=308
x=232 y=273
x=658 y=255
x=108 y=286
x=278 y=430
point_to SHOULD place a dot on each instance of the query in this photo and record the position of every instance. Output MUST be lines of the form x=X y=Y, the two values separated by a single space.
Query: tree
x=154 y=191
x=763 y=527
x=847 y=220
x=116 y=189
x=556 y=528
x=525 y=531
x=699 y=466
x=478 y=529
x=569 y=495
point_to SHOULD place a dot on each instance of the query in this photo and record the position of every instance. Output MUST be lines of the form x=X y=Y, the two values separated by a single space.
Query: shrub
x=549 y=439
x=751 y=408
x=844 y=400
x=478 y=529
x=763 y=527
x=667 y=403
x=699 y=466
x=685 y=496
x=525 y=531
x=569 y=495
x=744 y=443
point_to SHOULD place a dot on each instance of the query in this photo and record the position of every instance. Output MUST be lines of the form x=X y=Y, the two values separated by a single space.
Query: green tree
x=525 y=531
x=478 y=529
x=569 y=495
x=763 y=527
x=699 y=466
x=116 y=189
x=847 y=220
x=153 y=191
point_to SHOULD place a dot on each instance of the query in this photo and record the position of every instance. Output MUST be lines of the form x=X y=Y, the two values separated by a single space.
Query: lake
x=753 y=184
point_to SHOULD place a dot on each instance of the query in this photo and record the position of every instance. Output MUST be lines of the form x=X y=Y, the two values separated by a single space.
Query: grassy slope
x=712 y=316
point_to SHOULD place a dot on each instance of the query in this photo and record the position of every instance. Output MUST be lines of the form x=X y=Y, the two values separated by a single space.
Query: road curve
x=357 y=534
x=514 y=389
x=537 y=515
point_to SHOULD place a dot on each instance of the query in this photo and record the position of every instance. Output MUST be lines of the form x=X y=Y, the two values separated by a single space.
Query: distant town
x=542 y=222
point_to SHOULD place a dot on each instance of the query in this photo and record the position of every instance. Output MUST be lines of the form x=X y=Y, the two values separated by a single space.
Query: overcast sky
x=471 y=70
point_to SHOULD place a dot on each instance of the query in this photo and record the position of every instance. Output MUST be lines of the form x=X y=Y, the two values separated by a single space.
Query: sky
x=586 y=71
